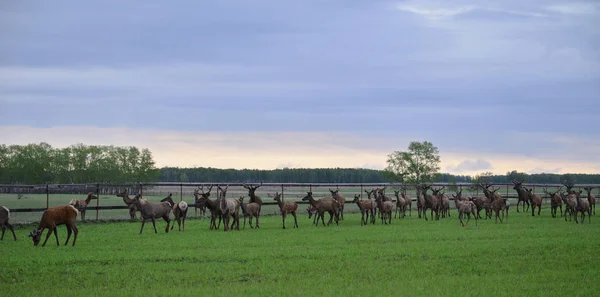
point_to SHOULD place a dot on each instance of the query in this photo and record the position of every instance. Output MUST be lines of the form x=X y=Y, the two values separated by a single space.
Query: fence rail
x=38 y=198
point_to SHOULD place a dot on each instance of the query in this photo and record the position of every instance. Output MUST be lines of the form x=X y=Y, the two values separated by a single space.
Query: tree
x=420 y=164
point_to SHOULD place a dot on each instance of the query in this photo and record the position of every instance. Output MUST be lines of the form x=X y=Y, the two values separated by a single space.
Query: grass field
x=532 y=256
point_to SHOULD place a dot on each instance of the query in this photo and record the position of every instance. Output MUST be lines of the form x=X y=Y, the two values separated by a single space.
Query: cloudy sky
x=495 y=85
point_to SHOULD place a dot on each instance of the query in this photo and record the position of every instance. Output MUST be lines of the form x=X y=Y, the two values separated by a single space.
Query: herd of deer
x=227 y=210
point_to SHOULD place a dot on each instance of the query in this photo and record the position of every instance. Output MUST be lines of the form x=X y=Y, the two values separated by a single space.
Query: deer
x=201 y=206
x=555 y=201
x=212 y=205
x=420 y=201
x=569 y=199
x=408 y=201
x=230 y=208
x=250 y=210
x=431 y=201
x=53 y=217
x=522 y=194
x=82 y=204
x=444 y=204
x=373 y=205
x=535 y=201
x=385 y=207
x=286 y=207
x=464 y=207
x=130 y=202
x=400 y=205
x=340 y=199
x=365 y=207
x=591 y=199
x=582 y=207
x=324 y=205
x=252 y=194
x=4 y=217
x=179 y=211
x=152 y=211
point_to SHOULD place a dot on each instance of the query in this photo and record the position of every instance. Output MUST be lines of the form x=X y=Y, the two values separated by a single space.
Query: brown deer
x=555 y=201
x=569 y=199
x=535 y=201
x=53 y=217
x=82 y=204
x=179 y=211
x=431 y=201
x=212 y=205
x=522 y=194
x=385 y=207
x=400 y=205
x=591 y=199
x=250 y=210
x=340 y=199
x=365 y=207
x=373 y=205
x=286 y=207
x=323 y=205
x=420 y=201
x=230 y=208
x=252 y=194
x=201 y=206
x=130 y=202
x=407 y=201
x=583 y=206
x=464 y=207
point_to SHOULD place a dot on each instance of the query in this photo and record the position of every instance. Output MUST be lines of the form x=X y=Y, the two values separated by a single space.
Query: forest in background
x=79 y=163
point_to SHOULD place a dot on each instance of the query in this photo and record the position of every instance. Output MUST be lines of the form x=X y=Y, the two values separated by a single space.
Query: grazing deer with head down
x=522 y=194
x=53 y=217
x=286 y=207
x=82 y=204
x=555 y=201
x=335 y=194
x=591 y=199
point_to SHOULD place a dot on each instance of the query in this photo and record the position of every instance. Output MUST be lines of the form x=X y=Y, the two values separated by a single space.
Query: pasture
x=534 y=256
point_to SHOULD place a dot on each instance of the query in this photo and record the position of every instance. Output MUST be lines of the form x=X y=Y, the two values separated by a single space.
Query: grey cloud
x=470 y=165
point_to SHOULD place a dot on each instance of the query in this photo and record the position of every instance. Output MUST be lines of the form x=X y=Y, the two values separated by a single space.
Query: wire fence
x=28 y=202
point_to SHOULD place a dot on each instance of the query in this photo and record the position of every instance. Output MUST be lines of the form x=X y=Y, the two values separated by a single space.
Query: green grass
x=533 y=256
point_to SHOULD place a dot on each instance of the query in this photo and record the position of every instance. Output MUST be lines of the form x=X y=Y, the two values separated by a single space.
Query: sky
x=495 y=85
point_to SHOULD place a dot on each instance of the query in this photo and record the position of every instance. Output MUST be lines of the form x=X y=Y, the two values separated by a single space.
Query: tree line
x=79 y=163
x=41 y=163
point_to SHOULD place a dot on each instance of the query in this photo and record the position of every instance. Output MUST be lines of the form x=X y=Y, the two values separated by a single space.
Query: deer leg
x=322 y=215
x=257 y=216
x=68 y=234
x=168 y=220
x=539 y=209
x=3 y=229
x=143 y=223
x=75 y=232
x=154 y=224
x=11 y=230
x=295 y=220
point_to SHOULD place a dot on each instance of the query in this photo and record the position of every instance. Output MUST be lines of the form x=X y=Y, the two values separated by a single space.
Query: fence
x=27 y=202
